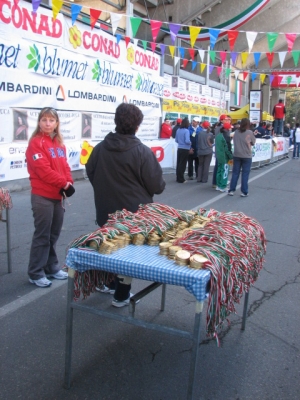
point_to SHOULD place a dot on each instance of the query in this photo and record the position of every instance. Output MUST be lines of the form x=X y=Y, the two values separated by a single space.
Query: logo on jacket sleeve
x=37 y=156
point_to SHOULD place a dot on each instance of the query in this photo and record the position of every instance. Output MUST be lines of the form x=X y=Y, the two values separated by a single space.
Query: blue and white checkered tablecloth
x=142 y=262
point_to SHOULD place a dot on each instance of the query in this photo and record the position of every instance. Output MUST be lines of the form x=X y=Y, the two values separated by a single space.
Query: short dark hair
x=245 y=124
x=280 y=100
x=185 y=123
x=128 y=118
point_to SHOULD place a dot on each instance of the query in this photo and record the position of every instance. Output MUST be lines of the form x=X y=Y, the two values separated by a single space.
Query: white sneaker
x=123 y=303
x=59 y=275
x=105 y=289
x=42 y=282
x=221 y=190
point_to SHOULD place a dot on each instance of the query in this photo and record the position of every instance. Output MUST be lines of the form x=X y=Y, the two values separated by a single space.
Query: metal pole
x=245 y=311
x=69 y=329
x=8 y=240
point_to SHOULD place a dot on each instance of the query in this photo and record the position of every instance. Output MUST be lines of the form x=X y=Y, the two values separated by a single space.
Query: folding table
x=141 y=262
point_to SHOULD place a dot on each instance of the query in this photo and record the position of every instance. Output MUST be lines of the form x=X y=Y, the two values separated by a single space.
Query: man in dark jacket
x=124 y=173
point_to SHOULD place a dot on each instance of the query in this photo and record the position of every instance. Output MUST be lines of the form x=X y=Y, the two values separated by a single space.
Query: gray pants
x=48 y=217
x=203 y=169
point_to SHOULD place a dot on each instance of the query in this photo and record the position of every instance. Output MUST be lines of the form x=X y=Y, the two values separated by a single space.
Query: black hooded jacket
x=124 y=174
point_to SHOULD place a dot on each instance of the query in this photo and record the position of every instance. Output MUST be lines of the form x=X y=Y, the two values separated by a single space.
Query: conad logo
x=159 y=153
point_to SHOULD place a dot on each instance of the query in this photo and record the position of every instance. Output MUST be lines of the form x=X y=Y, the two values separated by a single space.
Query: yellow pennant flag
x=262 y=77
x=202 y=67
x=56 y=6
x=244 y=56
x=194 y=32
x=172 y=49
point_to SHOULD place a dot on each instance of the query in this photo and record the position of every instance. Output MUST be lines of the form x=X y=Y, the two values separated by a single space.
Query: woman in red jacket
x=50 y=179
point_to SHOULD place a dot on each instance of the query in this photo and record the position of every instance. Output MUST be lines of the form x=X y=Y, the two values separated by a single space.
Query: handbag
x=67 y=192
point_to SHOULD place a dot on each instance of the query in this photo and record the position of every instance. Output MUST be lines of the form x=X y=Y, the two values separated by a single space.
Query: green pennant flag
x=144 y=42
x=288 y=80
x=272 y=37
x=135 y=24
x=295 y=54
x=212 y=55
x=227 y=72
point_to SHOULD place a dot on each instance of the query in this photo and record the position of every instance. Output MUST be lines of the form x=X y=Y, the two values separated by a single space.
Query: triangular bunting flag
x=245 y=74
x=135 y=42
x=270 y=57
x=212 y=55
x=256 y=58
x=288 y=80
x=75 y=10
x=272 y=37
x=262 y=77
x=201 y=54
x=233 y=56
x=94 y=16
x=174 y=29
x=251 y=36
x=181 y=51
x=290 y=38
x=253 y=76
x=56 y=6
x=135 y=24
x=155 y=27
x=213 y=34
x=162 y=49
x=232 y=36
x=153 y=46
x=118 y=38
x=271 y=78
x=194 y=63
x=115 y=19
x=227 y=72
x=236 y=73
x=127 y=41
x=192 y=53
x=223 y=55
x=172 y=50
x=211 y=68
x=279 y=79
x=194 y=32
x=176 y=59
x=219 y=70
x=184 y=62
x=282 y=55
x=144 y=43
x=295 y=54
x=244 y=56
x=202 y=67
x=36 y=4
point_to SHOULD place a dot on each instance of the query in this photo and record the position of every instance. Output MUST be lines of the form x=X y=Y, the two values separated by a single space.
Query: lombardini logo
x=60 y=93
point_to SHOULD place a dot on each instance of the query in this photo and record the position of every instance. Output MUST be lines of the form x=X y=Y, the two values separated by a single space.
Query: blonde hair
x=48 y=111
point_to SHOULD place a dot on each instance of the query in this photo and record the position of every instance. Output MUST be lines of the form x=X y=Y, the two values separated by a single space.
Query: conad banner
x=85 y=74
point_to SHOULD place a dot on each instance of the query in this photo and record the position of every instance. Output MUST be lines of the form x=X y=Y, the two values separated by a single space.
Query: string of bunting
x=233 y=246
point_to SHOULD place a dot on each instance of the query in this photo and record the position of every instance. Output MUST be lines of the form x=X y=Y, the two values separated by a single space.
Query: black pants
x=182 y=158
x=192 y=160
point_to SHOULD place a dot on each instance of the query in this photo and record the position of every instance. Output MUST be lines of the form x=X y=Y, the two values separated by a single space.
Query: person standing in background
x=193 y=156
x=166 y=129
x=222 y=119
x=124 y=173
x=184 y=148
x=205 y=150
x=243 y=140
x=177 y=126
x=296 y=140
x=51 y=180
x=279 y=112
x=223 y=154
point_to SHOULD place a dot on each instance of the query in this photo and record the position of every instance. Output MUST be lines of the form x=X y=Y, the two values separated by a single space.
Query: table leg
x=69 y=329
x=195 y=349
x=163 y=297
x=245 y=311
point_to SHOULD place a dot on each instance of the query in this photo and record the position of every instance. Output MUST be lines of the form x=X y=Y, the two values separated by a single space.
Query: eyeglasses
x=49 y=109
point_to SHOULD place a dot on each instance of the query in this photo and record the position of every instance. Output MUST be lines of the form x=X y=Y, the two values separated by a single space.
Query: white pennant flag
x=297 y=80
x=176 y=59
x=251 y=36
x=115 y=19
x=236 y=73
x=135 y=42
x=282 y=55
x=201 y=54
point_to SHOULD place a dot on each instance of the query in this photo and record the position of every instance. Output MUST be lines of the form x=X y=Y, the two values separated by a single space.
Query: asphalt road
x=112 y=360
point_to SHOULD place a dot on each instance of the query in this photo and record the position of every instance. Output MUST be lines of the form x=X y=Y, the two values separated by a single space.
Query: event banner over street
x=85 y=74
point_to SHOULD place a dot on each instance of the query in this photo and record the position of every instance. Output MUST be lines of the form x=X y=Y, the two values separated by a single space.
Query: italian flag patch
x=37 y=156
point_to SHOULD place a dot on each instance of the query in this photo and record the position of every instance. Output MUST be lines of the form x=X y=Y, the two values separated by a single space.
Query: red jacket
x=47 y=166
x=166 y=131
x=279 y=111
